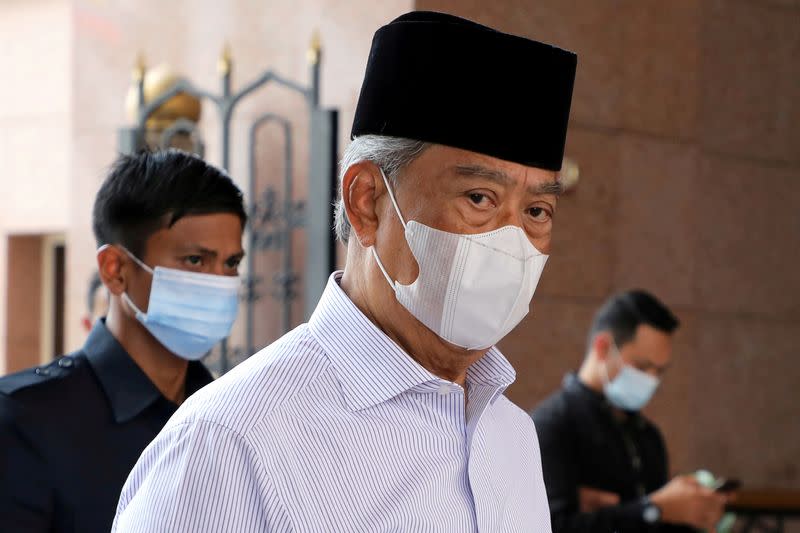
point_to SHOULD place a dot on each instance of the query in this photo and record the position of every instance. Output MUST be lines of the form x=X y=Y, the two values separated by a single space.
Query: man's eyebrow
x=552 y=187
x=483 y=172
x=199 y=249
x=205 y=251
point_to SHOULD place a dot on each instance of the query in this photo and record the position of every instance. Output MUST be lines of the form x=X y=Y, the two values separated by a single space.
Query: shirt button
x=65 y=362
x=444 y=389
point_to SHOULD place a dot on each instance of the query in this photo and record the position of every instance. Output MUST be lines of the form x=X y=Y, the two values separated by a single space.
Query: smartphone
x=727 y=485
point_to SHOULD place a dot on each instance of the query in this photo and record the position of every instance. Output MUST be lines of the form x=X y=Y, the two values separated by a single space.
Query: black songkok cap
x=443 y=79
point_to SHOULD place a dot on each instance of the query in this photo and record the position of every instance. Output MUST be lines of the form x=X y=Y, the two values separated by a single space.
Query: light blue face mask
x=188 y=312
x=631 y=389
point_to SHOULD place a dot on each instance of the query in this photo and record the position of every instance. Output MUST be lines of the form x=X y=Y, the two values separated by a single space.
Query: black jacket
x=71 y=431
x=583 y=444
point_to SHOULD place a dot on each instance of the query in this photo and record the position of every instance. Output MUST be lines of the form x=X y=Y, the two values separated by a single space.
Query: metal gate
x=273 y=216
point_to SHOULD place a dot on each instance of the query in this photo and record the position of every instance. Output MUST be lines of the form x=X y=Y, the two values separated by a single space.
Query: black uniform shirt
x=71 y=431
x=584 y=445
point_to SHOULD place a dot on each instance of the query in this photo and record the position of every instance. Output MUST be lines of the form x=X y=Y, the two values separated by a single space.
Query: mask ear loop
x=137 y=261
x=133 y=257
x=125 y=297
x=380 y=265
x=607 y=381
x=392 y=284
x=392 y=198
x=136 y=310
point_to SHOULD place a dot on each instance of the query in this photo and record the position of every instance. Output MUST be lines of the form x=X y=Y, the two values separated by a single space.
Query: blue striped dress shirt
x=335 y=428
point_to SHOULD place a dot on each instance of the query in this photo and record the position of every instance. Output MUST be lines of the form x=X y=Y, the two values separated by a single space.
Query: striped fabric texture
x=335 y=428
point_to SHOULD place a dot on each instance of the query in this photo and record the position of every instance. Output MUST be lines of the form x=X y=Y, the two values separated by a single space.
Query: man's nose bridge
x=511 y=215
x=218 y=266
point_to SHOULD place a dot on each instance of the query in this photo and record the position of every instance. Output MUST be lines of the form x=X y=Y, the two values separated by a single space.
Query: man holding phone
x=605 y=464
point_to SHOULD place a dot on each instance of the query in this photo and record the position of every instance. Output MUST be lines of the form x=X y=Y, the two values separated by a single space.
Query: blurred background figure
x=605 y=464
x=96 y=302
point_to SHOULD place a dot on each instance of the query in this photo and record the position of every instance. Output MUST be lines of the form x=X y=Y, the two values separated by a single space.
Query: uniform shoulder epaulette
x=30 y=377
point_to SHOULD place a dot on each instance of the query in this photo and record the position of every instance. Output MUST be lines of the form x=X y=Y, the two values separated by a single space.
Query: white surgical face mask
x=472 y=289
x=188 y=312
x=631 y=389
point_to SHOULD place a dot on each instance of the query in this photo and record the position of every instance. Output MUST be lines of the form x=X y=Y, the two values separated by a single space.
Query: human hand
x=592 y=500
x=684 y=501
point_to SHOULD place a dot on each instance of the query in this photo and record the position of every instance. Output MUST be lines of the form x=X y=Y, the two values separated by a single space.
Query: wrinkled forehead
x=439 y=166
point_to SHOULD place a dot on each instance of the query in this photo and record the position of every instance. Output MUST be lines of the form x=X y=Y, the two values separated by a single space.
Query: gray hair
x=392 y=154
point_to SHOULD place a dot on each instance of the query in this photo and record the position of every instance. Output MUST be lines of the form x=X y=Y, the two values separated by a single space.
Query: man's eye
x=233 y=263
x=479 y=199
x=539 y=214
x=193 y=260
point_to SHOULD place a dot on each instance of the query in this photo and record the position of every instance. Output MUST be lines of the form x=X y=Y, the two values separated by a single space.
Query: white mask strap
x=605 y=363
x=137 y=260
x=125 y=297
x=394 y=201
x=380 y=265
x=129 y=302
x=606 y=381
x=403 y=222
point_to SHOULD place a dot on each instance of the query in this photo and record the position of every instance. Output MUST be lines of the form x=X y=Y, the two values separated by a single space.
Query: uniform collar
x=128 y=389
x=371 y=367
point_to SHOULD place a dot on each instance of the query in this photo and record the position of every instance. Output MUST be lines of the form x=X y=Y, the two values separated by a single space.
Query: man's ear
x=112 y=266
x=601 y=344
x=362 y=184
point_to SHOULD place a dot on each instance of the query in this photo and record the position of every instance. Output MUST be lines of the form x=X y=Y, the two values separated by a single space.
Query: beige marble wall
x=35 y=93
x=685 y=124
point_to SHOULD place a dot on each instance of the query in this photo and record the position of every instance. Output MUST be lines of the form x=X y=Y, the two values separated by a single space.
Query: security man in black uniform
x=169 y=227
x=605 y=465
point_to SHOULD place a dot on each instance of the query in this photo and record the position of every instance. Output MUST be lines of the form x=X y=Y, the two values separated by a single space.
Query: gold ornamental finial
x=224 y=63
x=139 y=68
x=315 y=48
x=570 y=174
x=158 y=80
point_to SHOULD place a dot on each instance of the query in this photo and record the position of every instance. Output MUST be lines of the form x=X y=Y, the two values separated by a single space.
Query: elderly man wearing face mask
x=386 y=411
x=605 y=464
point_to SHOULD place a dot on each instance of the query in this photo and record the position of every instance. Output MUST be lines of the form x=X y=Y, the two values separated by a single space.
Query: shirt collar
x=128 y=389
x=370 y=366
x=573 y=384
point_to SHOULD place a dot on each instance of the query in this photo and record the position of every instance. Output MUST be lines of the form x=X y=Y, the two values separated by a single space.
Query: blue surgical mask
x=188 y=312
x=631 y=389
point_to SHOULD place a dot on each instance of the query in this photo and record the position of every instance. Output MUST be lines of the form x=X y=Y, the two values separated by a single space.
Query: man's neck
x=164 y=369
x=419 y=342
x=589 y=375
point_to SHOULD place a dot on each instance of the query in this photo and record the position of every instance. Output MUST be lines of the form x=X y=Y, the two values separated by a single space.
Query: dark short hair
x=148 y=191
x=623 y=313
